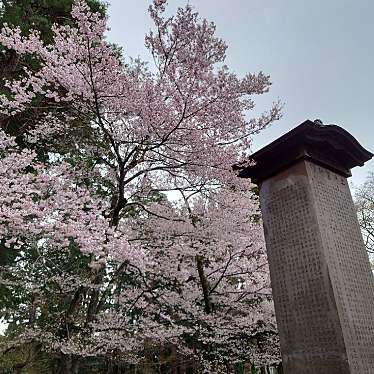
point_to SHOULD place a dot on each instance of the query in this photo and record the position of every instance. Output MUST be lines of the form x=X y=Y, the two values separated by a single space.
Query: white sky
x=320 y=55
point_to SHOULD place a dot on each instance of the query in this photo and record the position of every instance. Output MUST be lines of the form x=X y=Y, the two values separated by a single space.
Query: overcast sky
x=319 y=54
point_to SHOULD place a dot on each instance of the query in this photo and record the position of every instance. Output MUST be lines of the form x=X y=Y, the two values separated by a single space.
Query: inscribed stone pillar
x=323 y=287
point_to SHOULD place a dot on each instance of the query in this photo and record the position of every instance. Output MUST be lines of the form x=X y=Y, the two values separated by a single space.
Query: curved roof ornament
x=327 y=145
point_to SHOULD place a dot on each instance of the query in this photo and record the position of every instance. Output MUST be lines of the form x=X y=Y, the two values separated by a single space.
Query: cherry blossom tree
x=364 y=199
x=140 y=231
x=210 y=277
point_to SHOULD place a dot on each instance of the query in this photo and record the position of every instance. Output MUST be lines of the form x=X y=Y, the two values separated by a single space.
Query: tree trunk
x=280 y=368
x=204 y=284
x=19 y=367
x=68 y=365
x=173 y=360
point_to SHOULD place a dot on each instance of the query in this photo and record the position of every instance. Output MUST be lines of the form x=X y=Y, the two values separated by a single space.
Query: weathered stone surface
x=322 y=283
x=323 y=287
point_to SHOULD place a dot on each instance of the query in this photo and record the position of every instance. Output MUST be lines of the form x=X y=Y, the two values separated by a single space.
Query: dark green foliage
x=38 y=15
x=41 y=14
x=31 y=15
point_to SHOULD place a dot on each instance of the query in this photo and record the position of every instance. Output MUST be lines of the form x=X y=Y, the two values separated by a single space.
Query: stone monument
x=323 y=287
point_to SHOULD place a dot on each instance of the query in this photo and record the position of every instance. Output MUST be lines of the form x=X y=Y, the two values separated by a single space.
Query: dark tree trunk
x=204 y=284
x=173 y=360
x=68 y=364
x=280 y=368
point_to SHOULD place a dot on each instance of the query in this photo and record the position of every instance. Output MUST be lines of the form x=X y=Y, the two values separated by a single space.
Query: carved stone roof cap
x=327 y=145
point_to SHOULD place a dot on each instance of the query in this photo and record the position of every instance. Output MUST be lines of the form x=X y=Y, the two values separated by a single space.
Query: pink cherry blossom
x=137 y=232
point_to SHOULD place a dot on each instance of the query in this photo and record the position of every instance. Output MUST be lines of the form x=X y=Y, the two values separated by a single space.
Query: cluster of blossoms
x=135 y=231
